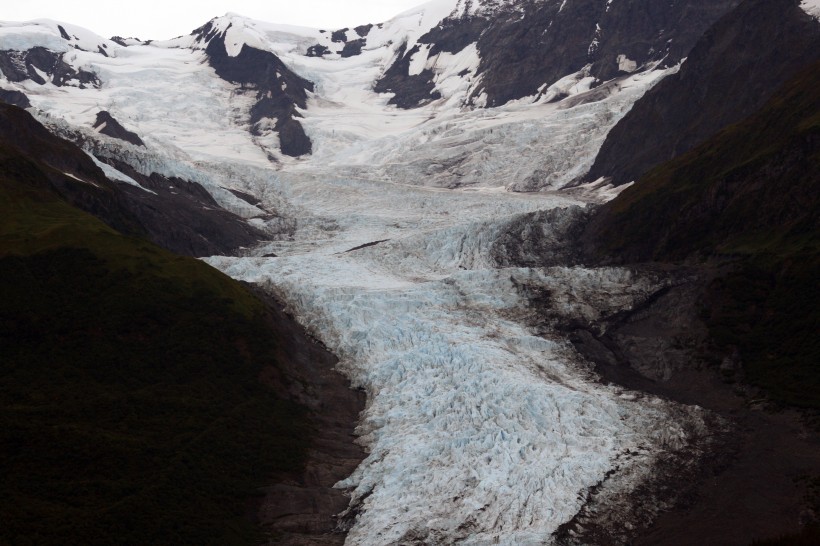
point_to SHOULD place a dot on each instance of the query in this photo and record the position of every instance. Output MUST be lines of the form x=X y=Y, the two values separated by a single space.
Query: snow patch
x=596 y=40
x=812 y=7
x=22 y=36
x=569 y=85
x=419 y=60
x=454 y=73
x=68 y=174
x=600 y=190
x=625 y=64
x=113 y=174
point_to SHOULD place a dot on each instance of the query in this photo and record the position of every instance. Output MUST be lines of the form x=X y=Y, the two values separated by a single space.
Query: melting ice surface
x=478 y=431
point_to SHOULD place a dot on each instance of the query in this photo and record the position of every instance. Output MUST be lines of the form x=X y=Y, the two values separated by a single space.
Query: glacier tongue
x=477 y=430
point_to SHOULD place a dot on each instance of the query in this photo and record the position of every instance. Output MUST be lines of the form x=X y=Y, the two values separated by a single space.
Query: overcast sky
x=162 y=19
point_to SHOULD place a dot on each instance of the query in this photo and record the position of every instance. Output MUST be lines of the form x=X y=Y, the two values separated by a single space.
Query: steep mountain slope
x=730 y=73
x=279 y=90
x=751 y=194
x=121 y=365
x=174 y=213
x=146 y=397
x=524 y=47
x=737 y=218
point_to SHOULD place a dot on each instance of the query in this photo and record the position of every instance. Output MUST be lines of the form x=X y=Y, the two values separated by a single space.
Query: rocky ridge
x=731 y=72
x=526 y=46
x=279 y=91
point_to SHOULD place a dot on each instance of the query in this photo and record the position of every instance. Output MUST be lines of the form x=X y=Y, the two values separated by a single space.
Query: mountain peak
x=53 y=35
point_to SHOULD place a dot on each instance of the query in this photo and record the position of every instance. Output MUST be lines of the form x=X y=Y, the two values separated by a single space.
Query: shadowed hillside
x=133 y=410
x=747 y=198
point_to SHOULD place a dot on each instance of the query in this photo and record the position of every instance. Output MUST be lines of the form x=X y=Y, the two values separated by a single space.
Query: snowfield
x=478 y=431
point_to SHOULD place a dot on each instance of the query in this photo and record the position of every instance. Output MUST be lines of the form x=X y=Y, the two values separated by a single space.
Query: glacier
x=478 y=429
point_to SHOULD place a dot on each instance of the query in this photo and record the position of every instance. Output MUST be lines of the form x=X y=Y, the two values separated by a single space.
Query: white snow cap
x=812 y=7
x=53 y=35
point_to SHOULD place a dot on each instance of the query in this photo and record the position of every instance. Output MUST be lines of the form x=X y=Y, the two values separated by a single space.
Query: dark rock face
x=15 y=98
x=109 y=126
x=353 y=48
x=410 y=91
x=541 y=239
x=452 y=35
x=19 y=66
x=303 y=511
x=85 y=186
x=364 y=30
x=182 y=217
x=518 y=56
x=63 y=32
x=124 y=41
x=732 y=71
x=752 y=186
x=279 y=90
x=339 y=35
x=645 y=31
x=317 y=50
x=524 y=45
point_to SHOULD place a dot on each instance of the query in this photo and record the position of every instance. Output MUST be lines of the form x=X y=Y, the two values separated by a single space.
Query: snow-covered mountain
x=745 y=56
x=406 y=100
x=371 y=178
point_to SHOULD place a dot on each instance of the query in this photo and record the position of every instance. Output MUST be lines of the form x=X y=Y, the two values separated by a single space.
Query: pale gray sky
x=159 y=20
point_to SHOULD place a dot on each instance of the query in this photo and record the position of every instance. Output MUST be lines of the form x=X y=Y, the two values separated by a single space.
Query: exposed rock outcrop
x=107 y=125
x=279 y=91
x=732 y=71
x=524 y=45
x=15 y=98
x=317 y=51
x=38 y=62
x=739 y=192
x=183 y=217
x=408 y=90
x=353 y=48
x=176 y=214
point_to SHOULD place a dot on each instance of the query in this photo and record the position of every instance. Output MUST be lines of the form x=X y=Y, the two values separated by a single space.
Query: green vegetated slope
x=747 y=197
x=131 y=410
